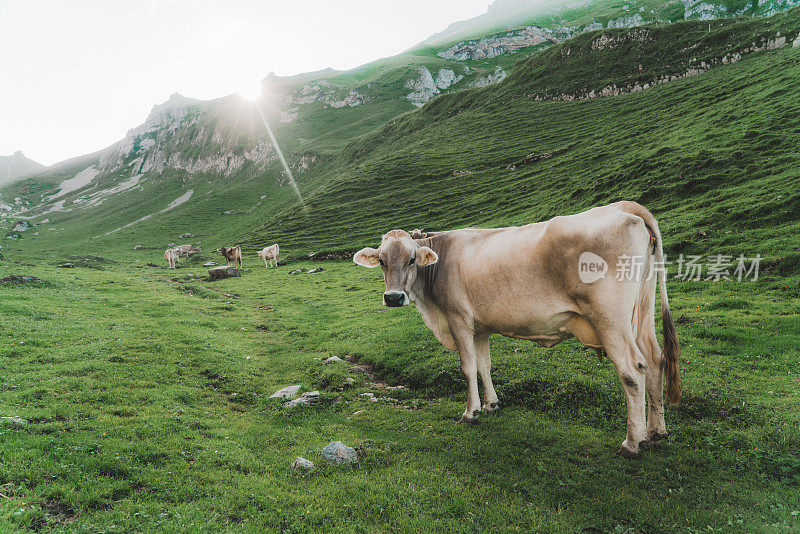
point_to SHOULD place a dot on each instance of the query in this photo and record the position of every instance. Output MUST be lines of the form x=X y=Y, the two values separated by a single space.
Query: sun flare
x=250 y=92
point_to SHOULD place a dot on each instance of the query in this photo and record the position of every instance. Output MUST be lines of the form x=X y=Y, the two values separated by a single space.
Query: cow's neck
x=423 y=289
x=427 y=292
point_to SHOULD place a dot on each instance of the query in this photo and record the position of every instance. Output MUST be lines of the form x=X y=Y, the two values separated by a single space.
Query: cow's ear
x=368 y=257
x=426 y=256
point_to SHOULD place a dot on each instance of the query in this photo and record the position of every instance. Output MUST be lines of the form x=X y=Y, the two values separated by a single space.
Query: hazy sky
x=78 y=74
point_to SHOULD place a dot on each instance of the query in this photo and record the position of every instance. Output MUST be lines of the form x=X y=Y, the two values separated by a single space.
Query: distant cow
x=232 y=255
x=175 y=253
x=546 y=282
x=171 y=256
x=186 y=250
x=268 y=254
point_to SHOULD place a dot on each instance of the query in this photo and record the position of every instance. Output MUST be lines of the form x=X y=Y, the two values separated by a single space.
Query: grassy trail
x=147 y=394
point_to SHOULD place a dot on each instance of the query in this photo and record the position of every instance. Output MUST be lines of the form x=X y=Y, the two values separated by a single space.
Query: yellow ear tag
x=373 y=260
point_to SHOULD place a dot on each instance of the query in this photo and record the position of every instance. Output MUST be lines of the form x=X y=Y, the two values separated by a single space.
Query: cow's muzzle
x=395 y=299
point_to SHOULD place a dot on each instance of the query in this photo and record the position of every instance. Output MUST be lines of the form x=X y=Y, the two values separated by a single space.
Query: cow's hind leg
x=490 y=402
x=654 y=382
x=631 y=368
x=465 y=342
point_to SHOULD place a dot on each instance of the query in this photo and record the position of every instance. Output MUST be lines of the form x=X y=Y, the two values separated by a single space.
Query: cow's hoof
x=658 y=436
x=491 y=408
x=470 y=420
x=627 y=453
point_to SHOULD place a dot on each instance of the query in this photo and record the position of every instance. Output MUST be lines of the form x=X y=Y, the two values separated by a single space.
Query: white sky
x=77 y=74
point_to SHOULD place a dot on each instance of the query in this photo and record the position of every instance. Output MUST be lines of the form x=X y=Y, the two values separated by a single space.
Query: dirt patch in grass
x=22 y=279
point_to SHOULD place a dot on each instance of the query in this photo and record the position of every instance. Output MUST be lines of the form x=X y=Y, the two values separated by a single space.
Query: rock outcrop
x=160 y=144
x=426 y=87
x=491 y=47
x=496 y=77
x=695 y=67
x=325 y=92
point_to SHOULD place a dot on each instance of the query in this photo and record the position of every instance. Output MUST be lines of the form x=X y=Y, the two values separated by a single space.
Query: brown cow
x=232 y=255
x=545 y=282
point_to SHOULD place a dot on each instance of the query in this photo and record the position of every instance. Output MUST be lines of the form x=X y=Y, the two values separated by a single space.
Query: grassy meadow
x=146 y=390
x=147 y=395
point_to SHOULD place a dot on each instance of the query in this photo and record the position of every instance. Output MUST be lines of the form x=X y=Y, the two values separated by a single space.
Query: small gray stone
x=368 y=395
x=337 y=453
x=333 y=359
x=317 y=270
x=306 y=399
x=286 y=393
x=350 y=381
x=14 y=419
x=210 y=264
x=66 y=266
x=302 y=465
x=296 y=271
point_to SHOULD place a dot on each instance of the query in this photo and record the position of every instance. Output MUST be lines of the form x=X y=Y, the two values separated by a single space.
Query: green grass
x=147 y=395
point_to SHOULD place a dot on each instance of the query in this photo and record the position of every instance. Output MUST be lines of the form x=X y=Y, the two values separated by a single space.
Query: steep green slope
x=713 y=155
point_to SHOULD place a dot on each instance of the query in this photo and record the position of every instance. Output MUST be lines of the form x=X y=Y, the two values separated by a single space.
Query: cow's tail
x=672 y=348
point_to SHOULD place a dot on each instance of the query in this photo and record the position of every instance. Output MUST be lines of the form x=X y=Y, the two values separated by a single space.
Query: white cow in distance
x=269 y=254
x=175 y=253
x=171 y=255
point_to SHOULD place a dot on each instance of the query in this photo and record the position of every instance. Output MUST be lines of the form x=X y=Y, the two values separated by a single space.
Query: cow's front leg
x=490 y=402
x=465 y=343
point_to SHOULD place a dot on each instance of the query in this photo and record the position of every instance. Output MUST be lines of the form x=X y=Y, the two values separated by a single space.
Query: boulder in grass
x=219 y=273
x=302 y=465
x=333 y=359
x=337 y=453
x=306 y=399
x=289 y=392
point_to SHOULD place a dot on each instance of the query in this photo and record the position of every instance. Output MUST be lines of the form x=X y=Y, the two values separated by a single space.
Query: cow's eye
x=381 y=262
x=413 y=260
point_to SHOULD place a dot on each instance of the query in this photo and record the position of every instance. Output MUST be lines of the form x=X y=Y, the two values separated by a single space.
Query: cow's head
x=400 y=258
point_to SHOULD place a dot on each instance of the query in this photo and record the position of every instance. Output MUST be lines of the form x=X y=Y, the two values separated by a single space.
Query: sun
x=250 y=92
